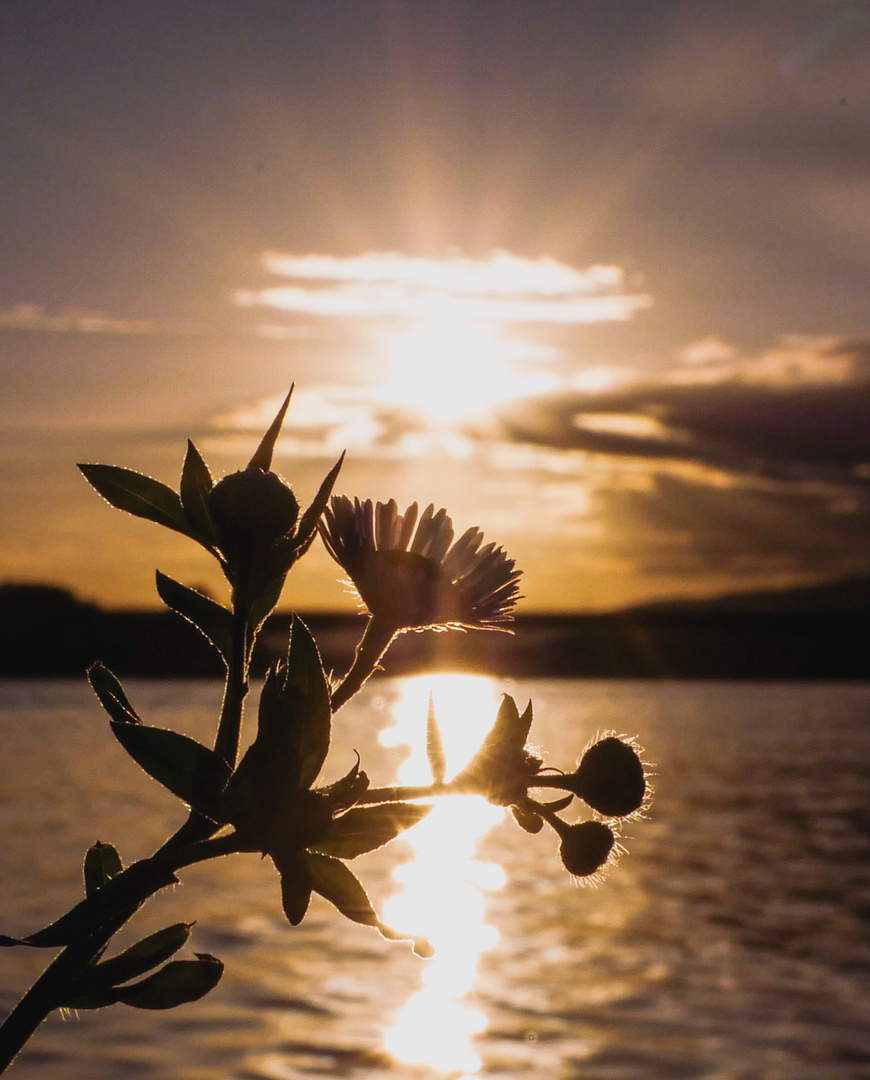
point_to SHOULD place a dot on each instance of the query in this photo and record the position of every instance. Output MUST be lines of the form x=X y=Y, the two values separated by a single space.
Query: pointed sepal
x=435 y=745
x=196 y=483
x=262 y=458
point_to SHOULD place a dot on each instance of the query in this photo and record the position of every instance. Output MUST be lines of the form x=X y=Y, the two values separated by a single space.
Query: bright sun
x=449 y=368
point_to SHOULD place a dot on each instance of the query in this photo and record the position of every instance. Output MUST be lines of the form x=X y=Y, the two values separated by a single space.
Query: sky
x=592 y=275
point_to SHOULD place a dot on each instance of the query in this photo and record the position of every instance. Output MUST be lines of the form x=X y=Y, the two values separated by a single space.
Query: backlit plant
x=410 y=574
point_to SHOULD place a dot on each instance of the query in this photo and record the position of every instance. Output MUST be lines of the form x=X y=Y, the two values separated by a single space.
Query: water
x=730 y=942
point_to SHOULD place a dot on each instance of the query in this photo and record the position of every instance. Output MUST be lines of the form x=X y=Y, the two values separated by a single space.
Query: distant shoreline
x=634 y=644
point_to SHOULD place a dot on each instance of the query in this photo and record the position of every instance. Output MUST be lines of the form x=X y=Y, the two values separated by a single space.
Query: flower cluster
x=610 y=778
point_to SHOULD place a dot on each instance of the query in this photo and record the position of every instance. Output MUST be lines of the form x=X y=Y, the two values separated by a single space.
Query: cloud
x=796 y=360
x=33 y=317
x=326 y=420
x=504 y=288
x=801 y=407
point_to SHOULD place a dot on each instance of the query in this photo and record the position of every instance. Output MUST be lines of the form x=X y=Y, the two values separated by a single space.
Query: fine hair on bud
x=586 y=847
x=610 y=778
x=251 y=509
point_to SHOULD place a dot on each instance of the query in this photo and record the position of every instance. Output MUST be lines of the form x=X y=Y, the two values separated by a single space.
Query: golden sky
x=592 y=276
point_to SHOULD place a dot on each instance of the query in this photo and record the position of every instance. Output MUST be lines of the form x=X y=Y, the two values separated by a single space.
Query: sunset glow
x=443 y=885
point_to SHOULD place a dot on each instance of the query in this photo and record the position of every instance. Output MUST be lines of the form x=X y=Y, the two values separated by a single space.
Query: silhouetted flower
x=411 y=574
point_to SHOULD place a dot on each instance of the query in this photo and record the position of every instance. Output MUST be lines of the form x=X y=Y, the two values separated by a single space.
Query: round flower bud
x=586 y=847
x=610 y=778
x=251 y=509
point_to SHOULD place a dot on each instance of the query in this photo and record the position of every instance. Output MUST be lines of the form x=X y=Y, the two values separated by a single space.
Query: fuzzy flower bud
x=251 y=509
x=610 y=778
x=586 y=847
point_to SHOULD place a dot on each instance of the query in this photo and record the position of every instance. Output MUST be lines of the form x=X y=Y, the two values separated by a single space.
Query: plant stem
x=50 y=989
x=230 y=724
x=403 y=794
x=373 y=644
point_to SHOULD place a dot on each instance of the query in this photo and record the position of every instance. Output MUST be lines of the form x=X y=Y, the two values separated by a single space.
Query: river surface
x=730 y=942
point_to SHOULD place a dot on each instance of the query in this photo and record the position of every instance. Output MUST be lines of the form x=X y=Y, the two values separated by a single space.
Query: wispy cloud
x=503 y=288
x=798 y=408
x=795 y=360
x=34 y=317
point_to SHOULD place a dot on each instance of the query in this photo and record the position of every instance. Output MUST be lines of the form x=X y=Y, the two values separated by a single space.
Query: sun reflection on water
x=443 y=885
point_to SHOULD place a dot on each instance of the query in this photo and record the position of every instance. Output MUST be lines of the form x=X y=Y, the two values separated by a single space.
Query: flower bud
x=251 y=509
x=586 y=847
x=610 y=778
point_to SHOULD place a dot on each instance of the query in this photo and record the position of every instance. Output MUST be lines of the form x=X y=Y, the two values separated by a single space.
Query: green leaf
x=308 y=524
x=295 y=713
x=306 y=679
x=111 y=695
x=139 y=958
x=196 y=483
x=262 y=458
x=139 y=495
x=333 y=881
x=175 y=984
x=193 y=772
x=368 y=827
x=213 y=620
x=263 y=603
x=295 y=884
x=435 y=745
x=102 y=862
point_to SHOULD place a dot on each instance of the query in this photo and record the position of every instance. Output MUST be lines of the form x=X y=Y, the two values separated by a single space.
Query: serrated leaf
x=435 y=745
x=308 y=524
x=193 y=772
x=196 y=483
x=212 y=620
x=368 y=827
x=138 y=494
x=262 y=458
x=179 y=982
x=139 y=958
x=111 y=695
x=102 y=863
x=333 y=881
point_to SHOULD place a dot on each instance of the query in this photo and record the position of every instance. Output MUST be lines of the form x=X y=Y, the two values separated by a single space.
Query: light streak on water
x=443 y=885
